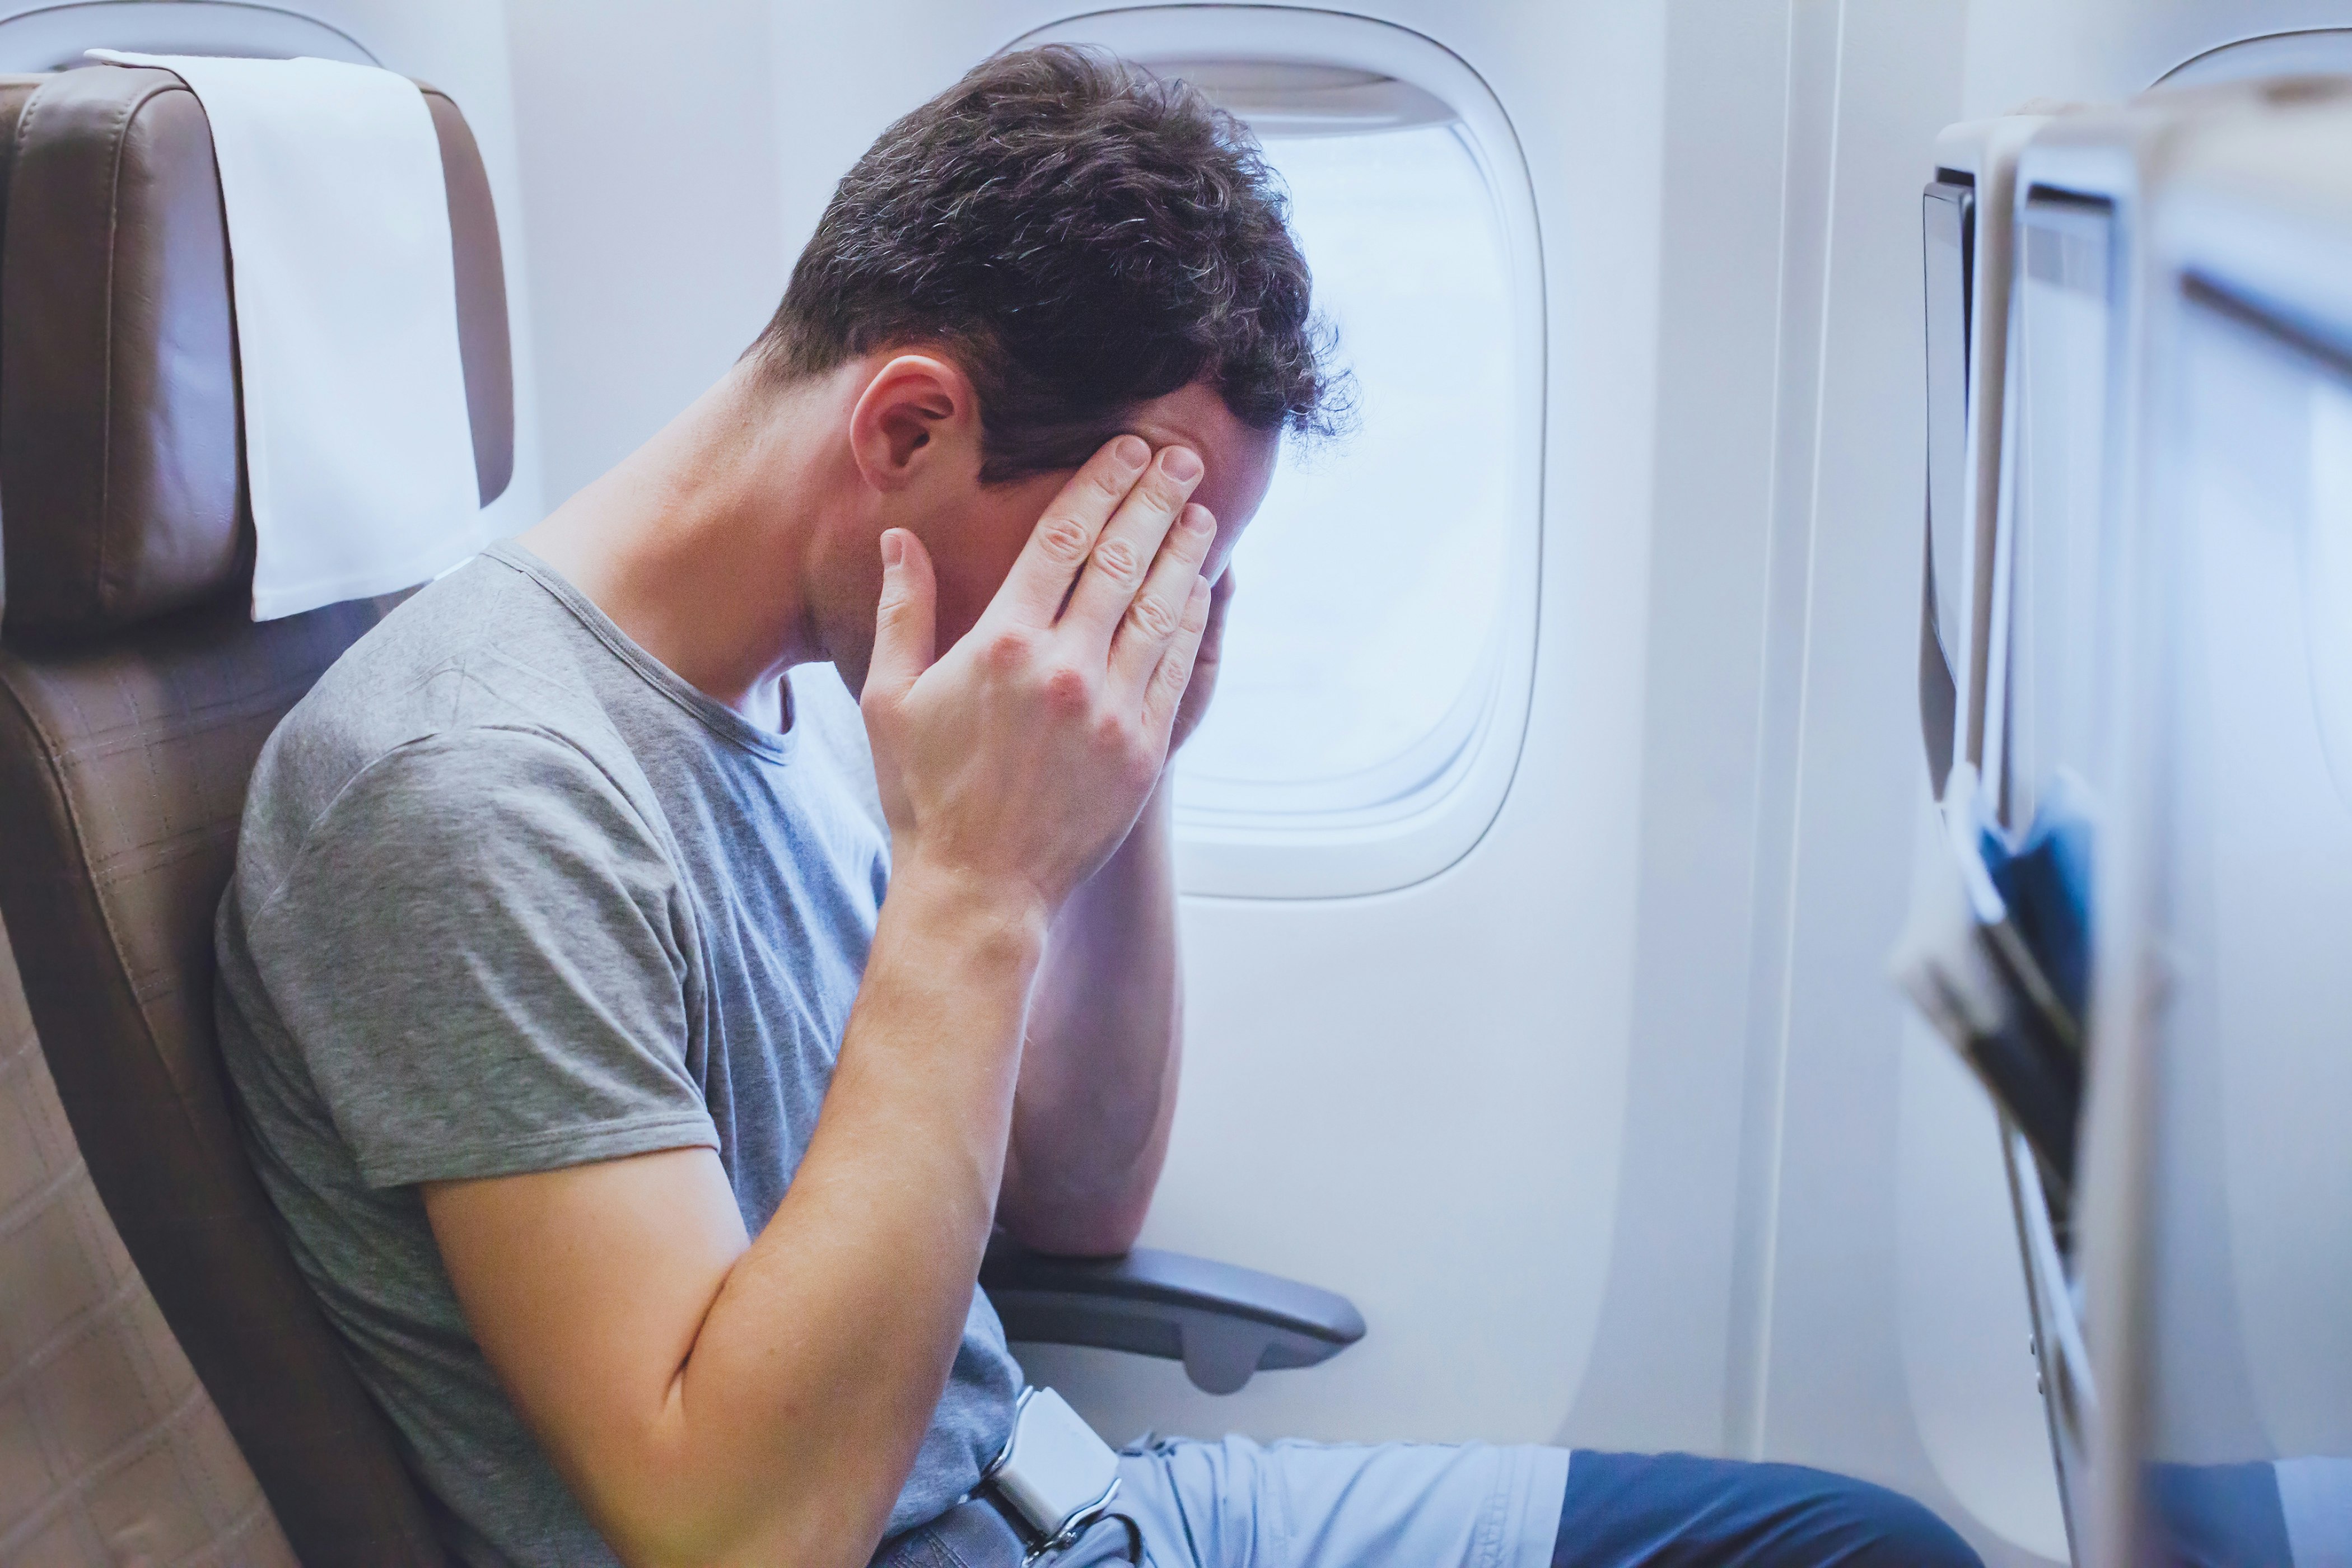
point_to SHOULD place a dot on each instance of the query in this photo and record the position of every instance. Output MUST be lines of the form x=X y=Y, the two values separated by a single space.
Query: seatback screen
x=1948 y=211
x=2047 y=628
x=2252 y=834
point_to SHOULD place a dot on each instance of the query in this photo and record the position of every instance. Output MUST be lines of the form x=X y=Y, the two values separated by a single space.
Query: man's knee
x=1891 y=1531
x=1623 y=1510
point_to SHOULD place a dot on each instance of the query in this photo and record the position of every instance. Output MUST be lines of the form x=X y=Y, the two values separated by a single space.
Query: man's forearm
x=1097 y=1088
x=823 y=1358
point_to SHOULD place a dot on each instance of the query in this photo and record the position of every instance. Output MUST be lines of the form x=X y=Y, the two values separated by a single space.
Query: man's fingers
x=1155 y=614
x=1212 y=635
x=1174 y=673
x=1058 y=545
x=1129 y=545
x=905 y=621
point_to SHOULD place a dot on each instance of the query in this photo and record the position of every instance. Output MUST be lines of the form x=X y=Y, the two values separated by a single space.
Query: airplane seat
x=135 y=694
x=110 y=1450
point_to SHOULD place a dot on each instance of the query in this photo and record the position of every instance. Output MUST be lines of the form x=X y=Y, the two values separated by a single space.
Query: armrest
x=1222 y=1322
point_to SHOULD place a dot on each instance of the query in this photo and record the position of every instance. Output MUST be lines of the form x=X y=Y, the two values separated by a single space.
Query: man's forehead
x=1197 y=416
x=1239 y=459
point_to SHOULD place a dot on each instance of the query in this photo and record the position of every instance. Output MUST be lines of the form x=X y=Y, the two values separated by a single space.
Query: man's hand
x=1018 y=761
x=1205 y=665
x=1097 y=1090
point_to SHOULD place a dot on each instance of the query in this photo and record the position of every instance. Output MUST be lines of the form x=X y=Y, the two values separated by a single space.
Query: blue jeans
x=1240 y=1504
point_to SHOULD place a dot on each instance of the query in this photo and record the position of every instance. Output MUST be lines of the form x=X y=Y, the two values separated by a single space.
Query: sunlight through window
x=1360 y=657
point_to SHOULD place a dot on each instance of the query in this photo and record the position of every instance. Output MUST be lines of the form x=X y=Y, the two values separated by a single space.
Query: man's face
x=974 y=531
x=973 y=552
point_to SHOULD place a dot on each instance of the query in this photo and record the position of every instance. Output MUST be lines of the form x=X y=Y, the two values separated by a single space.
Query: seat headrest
x=121 y=470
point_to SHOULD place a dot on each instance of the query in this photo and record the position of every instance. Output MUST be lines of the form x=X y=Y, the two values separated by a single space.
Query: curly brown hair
x=1082 y=236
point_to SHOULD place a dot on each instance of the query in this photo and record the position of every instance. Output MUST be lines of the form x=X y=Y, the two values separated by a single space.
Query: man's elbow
x=672 y=1503
x=1083 y=1229
x=671 y=1532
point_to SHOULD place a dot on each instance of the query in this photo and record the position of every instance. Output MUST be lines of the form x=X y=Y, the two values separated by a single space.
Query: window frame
x=1272 y=853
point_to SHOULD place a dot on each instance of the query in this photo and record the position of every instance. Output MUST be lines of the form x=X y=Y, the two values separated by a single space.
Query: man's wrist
x=1153 y=822
x=992 y=918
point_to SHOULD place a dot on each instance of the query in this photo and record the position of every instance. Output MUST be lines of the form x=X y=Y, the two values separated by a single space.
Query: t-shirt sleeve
x=479 y=952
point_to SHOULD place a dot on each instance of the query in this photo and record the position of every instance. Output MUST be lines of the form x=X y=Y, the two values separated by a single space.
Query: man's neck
x=698 y=544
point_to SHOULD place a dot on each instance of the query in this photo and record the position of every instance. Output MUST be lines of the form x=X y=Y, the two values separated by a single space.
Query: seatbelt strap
x=1045 y=1501
x=976 y=1533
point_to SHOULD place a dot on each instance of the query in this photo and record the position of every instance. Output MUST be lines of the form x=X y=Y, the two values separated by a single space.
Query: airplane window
x=1359 y=654
x=2056 y=501
x=1380 y=656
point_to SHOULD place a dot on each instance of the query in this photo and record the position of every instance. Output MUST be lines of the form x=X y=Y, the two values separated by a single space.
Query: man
x=637 y=1112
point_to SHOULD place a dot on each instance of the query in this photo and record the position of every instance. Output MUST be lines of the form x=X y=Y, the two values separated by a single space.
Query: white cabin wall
x=1659 y=1381
x=652 y=192
x=1815 y=1366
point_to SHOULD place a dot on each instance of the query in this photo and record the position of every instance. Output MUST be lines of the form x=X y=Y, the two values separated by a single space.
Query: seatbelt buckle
x=1055 y=1474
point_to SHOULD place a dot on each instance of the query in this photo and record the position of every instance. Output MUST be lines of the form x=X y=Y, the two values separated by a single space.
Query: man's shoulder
x=471 y=669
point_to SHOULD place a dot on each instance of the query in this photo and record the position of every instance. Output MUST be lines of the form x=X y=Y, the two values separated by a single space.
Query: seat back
x=135 y=694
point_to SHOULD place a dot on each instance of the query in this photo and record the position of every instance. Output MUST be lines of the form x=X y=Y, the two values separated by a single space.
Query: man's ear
x=916 y=412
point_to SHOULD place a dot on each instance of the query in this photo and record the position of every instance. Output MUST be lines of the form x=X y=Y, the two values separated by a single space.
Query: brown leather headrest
x=121 y=473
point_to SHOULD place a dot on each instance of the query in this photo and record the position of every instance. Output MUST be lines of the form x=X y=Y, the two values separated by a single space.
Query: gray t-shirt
x=512 y=896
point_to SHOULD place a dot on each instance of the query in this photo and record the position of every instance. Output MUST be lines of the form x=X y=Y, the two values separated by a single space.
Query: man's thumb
x=905 y=619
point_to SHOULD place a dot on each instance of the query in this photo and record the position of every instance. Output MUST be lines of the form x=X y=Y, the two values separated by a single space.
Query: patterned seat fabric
x=110 y=1451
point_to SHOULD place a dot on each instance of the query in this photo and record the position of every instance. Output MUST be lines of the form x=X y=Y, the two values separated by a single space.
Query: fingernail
x=1200 y=519
x=1184 y=464
x=894 y=548
x=1130 y=452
